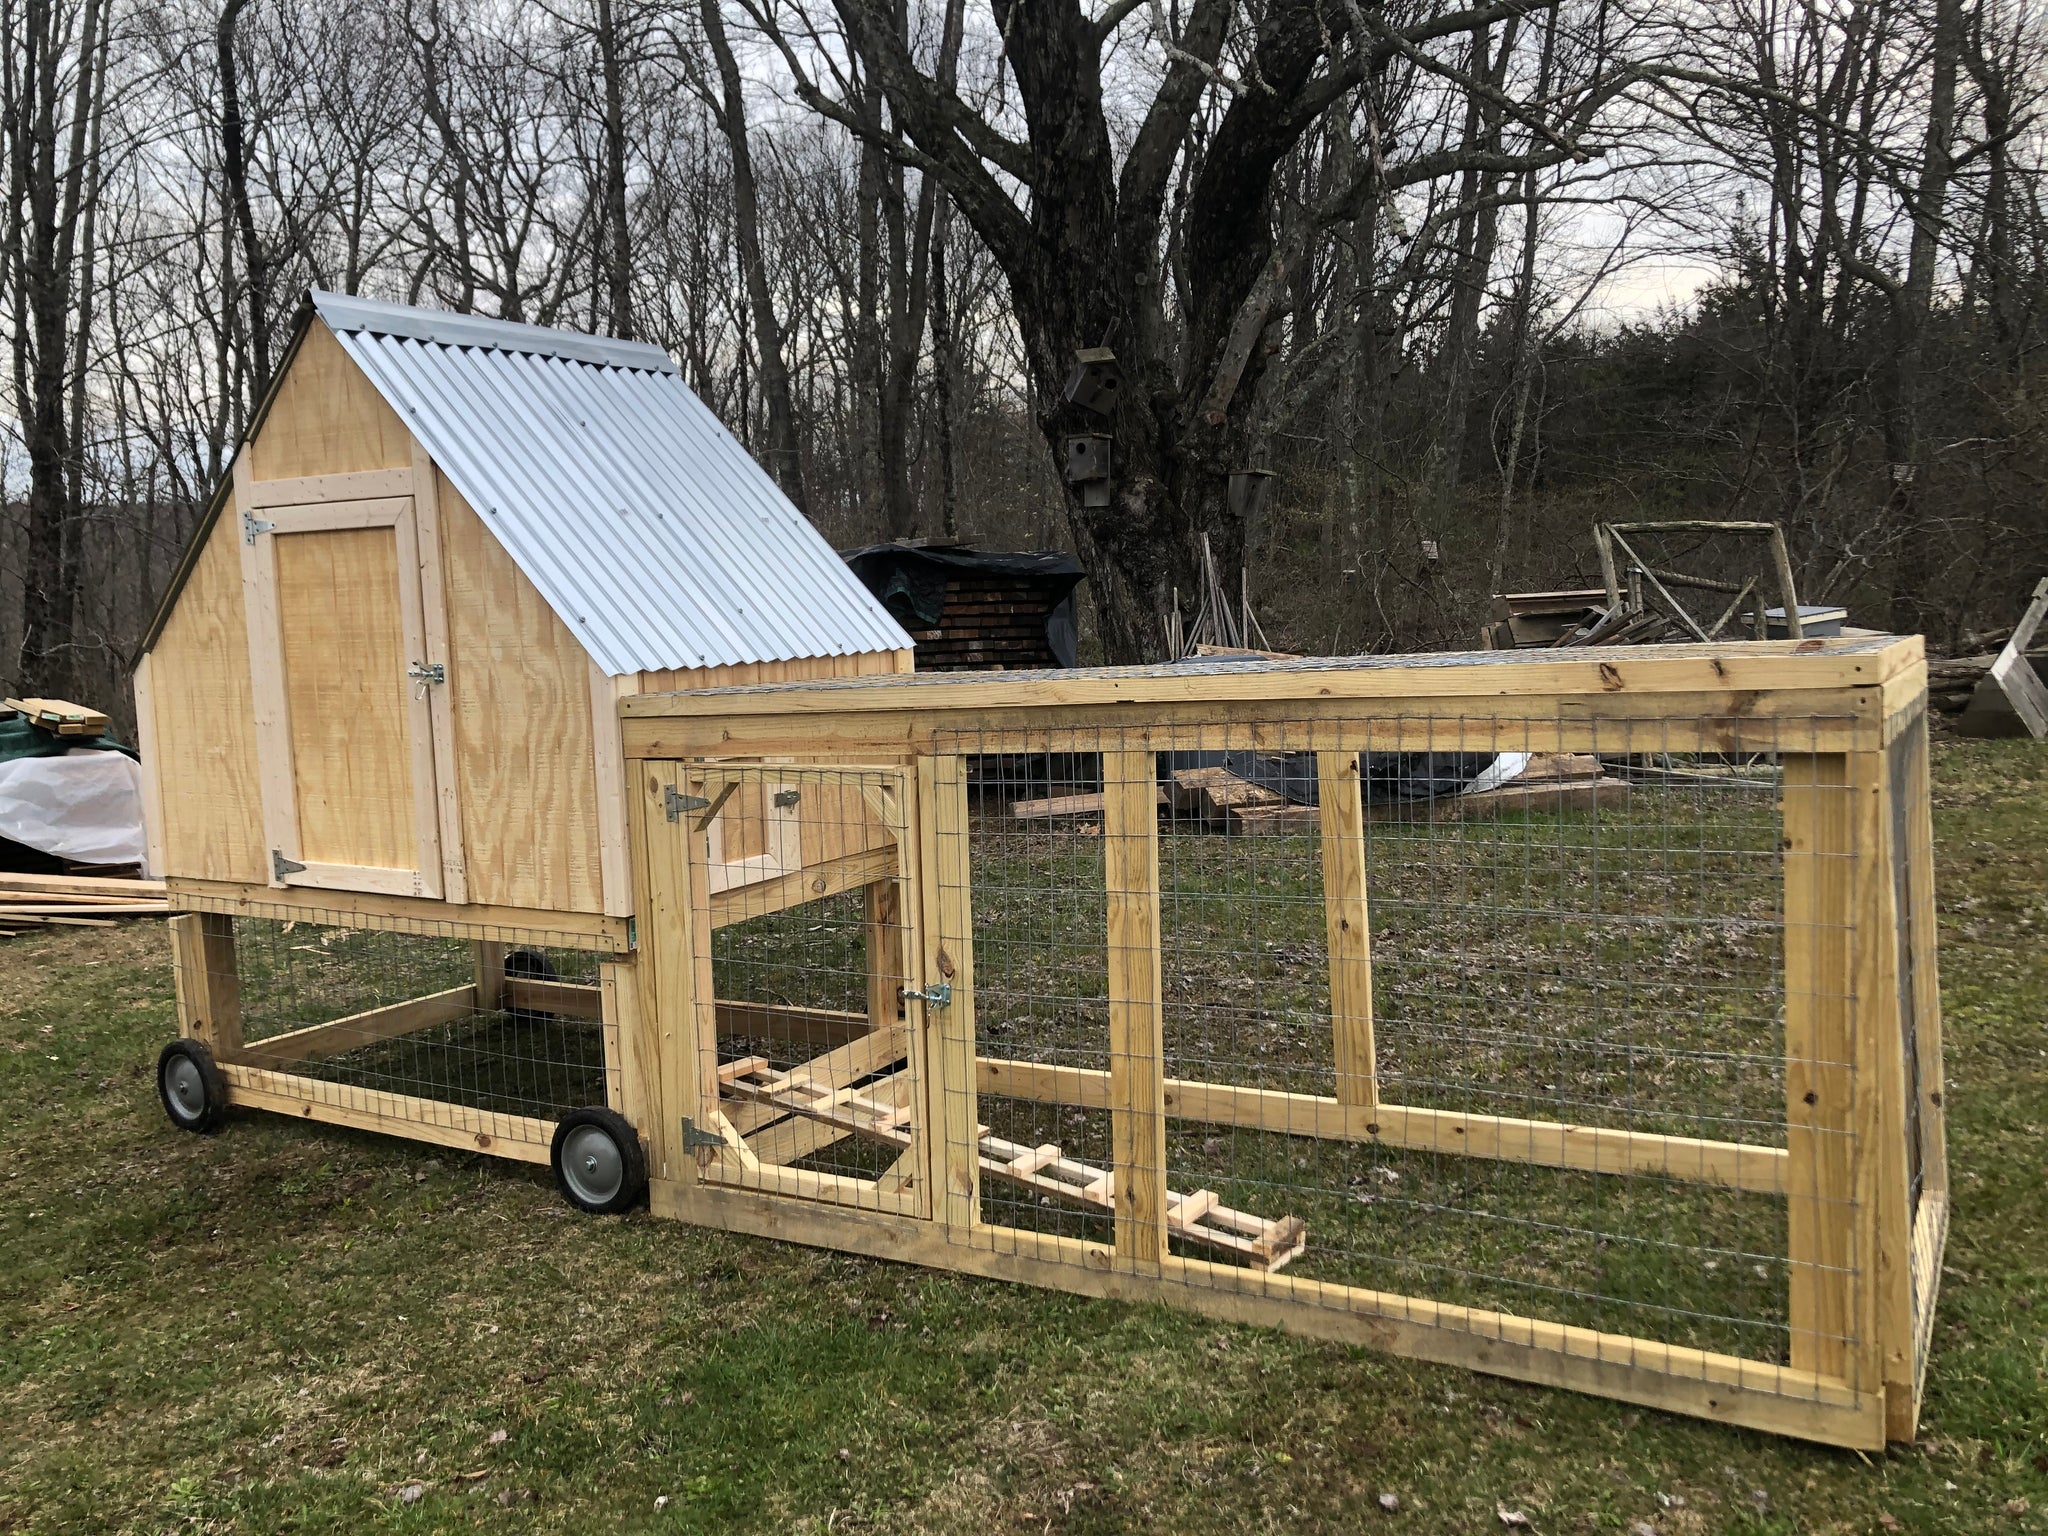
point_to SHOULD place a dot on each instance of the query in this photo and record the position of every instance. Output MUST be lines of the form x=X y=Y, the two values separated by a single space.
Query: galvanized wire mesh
x=1575 y=1108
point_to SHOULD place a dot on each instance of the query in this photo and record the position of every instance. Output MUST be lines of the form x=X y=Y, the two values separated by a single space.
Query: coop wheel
x=194 y=1093
x=530 y=965
x=598 y=1164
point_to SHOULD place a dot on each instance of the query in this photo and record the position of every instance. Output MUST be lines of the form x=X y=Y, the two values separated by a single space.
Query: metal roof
x=647 y=527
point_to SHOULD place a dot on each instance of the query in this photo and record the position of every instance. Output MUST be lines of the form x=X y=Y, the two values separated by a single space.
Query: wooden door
x=345 y=693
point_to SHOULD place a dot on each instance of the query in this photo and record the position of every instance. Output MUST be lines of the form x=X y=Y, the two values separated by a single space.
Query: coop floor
x=288 y=1326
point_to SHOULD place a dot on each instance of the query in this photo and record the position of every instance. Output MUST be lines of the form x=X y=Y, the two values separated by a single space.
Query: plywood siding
x=344 y=675
x=327 y=419
x=525 y=752
x=203 y=725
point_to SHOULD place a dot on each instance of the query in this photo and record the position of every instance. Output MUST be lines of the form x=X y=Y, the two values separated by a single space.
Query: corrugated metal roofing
x=647 y=527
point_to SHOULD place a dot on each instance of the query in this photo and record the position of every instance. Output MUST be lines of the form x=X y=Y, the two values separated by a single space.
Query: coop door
x=809 y=1073
x=344 y=695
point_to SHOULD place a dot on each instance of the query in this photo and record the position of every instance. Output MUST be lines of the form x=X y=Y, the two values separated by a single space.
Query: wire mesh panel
x=403 y=1026
x=801 y=896
x=1474 y=1023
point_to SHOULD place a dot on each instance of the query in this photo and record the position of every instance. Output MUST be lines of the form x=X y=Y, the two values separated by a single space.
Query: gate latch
x=939 y=995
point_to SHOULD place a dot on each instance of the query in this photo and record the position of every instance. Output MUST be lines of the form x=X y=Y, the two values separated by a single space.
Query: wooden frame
x=1861 y=1272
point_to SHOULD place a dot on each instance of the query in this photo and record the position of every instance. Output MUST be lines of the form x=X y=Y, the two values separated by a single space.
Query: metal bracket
x=938 y=995
x=785 y=798
x=695 y=1140
x=280 y=866
x=427 y=672
x=674 y=802
x=253 y=525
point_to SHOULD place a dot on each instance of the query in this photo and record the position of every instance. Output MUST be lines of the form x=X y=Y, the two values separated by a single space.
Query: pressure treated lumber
x=359 y=1029
x=208 y=980
x=1137 y=1104
x=1347 y=926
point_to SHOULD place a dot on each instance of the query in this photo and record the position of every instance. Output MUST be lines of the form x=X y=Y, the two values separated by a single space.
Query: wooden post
x=660 y=1071
x=619 y=1005
x=1137 y=1047
x=1832 y=1086
x=490 y=975
x=952 y=1110
x=886 y=974
x=208 y=981
x=1348 y=922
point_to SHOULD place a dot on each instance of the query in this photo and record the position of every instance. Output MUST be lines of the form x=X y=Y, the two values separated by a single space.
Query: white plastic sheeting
x=1503 y=769
x=83 y=806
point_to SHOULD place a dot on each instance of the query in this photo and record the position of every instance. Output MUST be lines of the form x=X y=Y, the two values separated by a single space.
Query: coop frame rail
x=1862 y=1284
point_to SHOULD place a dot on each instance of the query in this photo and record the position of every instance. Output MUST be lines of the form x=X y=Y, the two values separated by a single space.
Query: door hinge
x=253 y=525
x=938 y=995
x=427 y=672
x=674 y=802
x=785 y=798
x=695 y=1140
x=280 y=866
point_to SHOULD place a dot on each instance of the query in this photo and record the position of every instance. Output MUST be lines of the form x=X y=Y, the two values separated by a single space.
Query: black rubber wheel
x=598 y=1164
x=529 y=965
x=194 y=1094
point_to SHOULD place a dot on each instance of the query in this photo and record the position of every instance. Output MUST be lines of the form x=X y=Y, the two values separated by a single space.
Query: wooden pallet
x=877 y=1111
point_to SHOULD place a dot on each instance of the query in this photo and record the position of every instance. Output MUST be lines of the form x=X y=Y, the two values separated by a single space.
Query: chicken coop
x=531 y=780
x=379 y=716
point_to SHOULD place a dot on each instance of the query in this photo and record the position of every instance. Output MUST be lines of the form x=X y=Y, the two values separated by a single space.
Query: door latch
x=938 y=995
x=427 y=672
x=253 y=525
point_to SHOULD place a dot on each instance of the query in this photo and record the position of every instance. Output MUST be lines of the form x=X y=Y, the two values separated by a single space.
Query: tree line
x=1388 y=262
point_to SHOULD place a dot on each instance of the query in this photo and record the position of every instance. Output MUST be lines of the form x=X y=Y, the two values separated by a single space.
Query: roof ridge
x=443 y=327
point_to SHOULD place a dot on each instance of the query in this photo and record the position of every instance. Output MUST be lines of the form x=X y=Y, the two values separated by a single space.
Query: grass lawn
x=292 y=1328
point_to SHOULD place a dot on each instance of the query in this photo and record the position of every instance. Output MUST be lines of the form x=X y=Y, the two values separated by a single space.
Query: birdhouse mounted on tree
x=1095 y=380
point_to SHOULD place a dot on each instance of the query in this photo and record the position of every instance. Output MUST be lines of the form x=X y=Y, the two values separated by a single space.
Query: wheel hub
x=187 y=1088
x=592 y=1164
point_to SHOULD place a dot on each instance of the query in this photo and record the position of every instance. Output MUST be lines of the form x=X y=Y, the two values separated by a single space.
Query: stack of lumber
x=75 y=901
x=1550 y=782
x=992 y=622
x=60 y=716
x=1221 y=798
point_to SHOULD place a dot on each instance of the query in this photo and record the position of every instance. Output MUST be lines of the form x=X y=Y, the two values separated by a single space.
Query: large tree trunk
x=784 y=460
x=617 y=245
x=235 y=172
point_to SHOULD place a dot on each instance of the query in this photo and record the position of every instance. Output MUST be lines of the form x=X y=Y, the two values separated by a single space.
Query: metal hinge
x=785 y=798
x=938 y=995
x=427 y=672
x=253 y=525
x=280 y=866
x=674 y=802
x=695 y=1140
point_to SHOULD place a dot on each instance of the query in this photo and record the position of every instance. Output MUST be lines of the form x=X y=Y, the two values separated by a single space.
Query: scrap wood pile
x=2002 y=692
x=75 y=901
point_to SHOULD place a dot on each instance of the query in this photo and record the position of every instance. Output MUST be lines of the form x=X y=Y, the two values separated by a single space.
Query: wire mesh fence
x=404 y=1021
x=1494 y=1027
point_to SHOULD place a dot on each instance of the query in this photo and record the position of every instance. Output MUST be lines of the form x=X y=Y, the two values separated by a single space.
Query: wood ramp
x=878 y=1110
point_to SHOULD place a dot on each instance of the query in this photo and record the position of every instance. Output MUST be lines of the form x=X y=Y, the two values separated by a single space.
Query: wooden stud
x=390 y=1022
x=1821 y=1087
x=370 y=909
x=518 y=1137
x=693 y=1075
x=1348 y=922
x=945 y=914
x=488 y=957
x=666 y=974
x=152 y=770
x=616 y=1024
x=614 y=858
x=209 y=982
x=1137 y=1047
x=1497 y=1138
x=884 y=949
x=433 y=588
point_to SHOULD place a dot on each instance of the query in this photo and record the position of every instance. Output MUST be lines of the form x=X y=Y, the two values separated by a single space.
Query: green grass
x=288 y=1328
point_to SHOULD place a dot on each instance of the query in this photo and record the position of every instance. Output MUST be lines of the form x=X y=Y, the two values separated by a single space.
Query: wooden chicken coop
x=534 y=781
